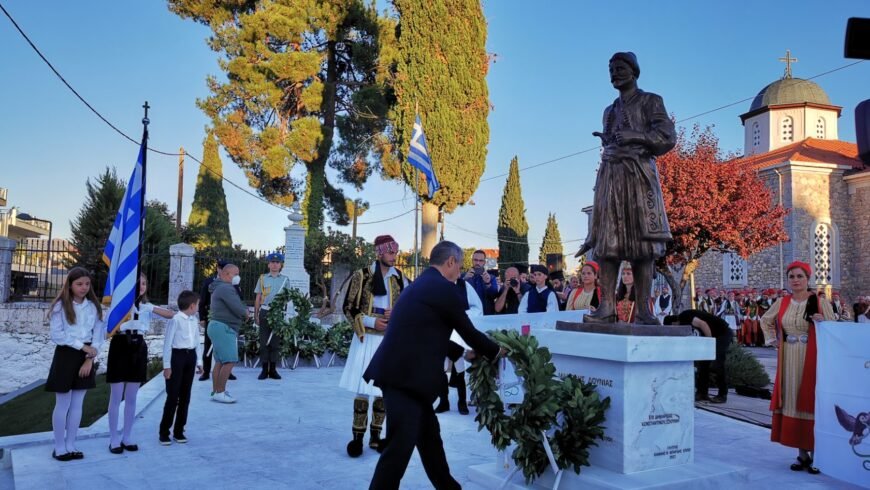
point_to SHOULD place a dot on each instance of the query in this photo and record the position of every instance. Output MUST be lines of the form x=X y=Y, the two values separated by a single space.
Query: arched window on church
x=734 y=270
x=787 y=129
x=825 y=256
x=756 y=135
x=820 y=128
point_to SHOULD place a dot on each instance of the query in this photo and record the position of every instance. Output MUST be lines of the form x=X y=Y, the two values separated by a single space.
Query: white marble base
x=704 y=473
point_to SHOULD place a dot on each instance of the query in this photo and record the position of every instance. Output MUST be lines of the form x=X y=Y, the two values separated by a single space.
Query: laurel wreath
x=338 y=338
x=566 y=405
x=301 y=335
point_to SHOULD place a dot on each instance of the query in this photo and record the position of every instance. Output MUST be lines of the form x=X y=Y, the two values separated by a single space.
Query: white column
x=294 y=252
x=7 y=246
x=181 y=265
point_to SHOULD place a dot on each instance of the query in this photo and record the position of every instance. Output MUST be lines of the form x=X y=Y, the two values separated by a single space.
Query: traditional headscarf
x=797 y=264
x=594 y=265
x=385 y=244
x=629 y=58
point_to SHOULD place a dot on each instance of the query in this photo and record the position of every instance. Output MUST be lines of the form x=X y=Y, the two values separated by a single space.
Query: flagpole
x=145 y=122
x=416 y=203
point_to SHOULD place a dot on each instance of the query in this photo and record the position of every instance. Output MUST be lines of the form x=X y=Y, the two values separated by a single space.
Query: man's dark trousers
x=718 y=367
x=412 y=423
x=178 y=388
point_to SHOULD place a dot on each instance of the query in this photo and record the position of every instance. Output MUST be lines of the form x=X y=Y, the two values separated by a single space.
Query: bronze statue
x=628 y=215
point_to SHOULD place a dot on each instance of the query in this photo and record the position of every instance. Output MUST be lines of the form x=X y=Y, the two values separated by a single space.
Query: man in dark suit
x=708 y=325
x=409 y=368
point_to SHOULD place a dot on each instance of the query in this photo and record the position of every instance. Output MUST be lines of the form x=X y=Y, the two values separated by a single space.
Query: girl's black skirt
x=64 y=372
x=128 y=359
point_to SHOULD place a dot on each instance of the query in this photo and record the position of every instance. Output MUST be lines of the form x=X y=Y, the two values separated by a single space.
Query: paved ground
x=292 y=434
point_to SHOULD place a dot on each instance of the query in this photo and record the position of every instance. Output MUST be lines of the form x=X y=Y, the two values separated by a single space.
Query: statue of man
x=628 y=215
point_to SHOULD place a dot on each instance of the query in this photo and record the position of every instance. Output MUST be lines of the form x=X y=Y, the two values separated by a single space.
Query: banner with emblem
x=842 y=428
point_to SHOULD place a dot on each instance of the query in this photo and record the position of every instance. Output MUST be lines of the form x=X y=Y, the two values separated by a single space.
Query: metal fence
x=39 y=269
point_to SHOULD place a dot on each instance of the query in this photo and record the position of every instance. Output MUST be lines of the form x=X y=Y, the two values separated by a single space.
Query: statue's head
x=624 y=69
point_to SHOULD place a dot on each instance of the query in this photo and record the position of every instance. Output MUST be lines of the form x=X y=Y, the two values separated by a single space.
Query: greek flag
x=122 y=249
x=418 y=156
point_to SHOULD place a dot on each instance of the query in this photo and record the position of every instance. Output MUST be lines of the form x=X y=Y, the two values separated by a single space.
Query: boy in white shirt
x=182 y=353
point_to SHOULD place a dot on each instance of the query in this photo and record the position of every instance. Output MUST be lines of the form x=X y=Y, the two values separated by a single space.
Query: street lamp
x=27 y=217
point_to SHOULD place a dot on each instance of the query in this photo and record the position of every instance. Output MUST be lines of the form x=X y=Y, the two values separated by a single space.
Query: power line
x=506 y=239
x=695 y=116
x=124 y=135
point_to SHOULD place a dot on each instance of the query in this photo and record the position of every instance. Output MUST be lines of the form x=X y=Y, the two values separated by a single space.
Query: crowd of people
x=426 y=359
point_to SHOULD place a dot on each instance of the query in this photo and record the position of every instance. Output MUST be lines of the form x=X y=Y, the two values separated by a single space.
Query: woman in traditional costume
x=587 y=296
x=625 y=298
x=790 y=325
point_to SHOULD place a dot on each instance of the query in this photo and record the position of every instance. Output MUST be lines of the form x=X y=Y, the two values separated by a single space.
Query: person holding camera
x=482 y=282
x=510 y=295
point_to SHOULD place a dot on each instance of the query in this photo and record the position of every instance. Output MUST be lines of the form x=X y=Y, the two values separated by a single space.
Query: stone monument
x=294 y=252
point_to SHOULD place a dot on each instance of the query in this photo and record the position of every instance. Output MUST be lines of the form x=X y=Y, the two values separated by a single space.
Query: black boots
x=457 y=380
x=270 y=370
x=360 y=420
x=273 y=371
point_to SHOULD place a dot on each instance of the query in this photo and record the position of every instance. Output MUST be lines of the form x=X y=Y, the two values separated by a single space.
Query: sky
x=548 y=87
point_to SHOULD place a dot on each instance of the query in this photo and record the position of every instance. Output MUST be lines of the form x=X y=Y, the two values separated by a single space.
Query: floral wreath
x=571 y=407
x=301 y=335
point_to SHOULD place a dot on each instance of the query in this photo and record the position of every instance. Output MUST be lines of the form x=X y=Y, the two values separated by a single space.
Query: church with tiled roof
x=791 y=140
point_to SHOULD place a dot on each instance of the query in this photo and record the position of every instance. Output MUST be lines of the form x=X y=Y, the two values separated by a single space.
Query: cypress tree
x=513 y=230
x=441 y=68
x=209 y=220
x=552 y=240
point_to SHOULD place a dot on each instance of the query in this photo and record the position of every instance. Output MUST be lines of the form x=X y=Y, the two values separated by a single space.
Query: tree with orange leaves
x=713 y=204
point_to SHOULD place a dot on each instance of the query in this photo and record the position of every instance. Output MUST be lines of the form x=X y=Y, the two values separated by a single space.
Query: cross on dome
x=788 y=60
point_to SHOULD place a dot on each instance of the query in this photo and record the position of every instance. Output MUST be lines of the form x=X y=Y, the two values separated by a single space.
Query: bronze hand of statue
x=627 y=137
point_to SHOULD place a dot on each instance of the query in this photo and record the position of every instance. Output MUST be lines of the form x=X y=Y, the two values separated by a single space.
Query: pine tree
x=442 y=66
x=295 y=73
x=552 y=240
x=209 y=220
x=513 y=230
x=91 y=227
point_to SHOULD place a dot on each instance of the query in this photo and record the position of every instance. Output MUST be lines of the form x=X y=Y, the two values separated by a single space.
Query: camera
x=513 y=282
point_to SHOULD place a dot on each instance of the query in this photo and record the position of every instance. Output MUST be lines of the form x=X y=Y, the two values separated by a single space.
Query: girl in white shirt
x=126 y=368
x=77 y=328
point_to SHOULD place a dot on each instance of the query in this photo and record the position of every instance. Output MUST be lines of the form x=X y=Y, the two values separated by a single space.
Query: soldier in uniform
x=371 y=295
x=268 y=286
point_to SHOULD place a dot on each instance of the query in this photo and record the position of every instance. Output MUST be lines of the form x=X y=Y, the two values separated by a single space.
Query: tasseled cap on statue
x=538 y=268
x=797 y=264
x=630 y=58
x=385 y=244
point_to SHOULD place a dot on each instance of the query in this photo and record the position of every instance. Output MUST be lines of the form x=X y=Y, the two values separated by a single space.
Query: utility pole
x=355 y=216
x=180 y=189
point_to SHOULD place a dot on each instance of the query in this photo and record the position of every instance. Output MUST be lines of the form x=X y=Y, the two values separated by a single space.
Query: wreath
x=338 y=338
x=301 y=335
x=566 y=404
x=251 y=344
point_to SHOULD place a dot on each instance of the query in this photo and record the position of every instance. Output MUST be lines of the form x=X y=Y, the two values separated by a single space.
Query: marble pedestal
x=649 y=433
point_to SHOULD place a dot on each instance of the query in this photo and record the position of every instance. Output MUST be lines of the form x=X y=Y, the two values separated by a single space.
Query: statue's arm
x=661 y=135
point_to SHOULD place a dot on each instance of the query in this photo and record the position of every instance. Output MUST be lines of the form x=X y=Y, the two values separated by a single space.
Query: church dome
x=790 y=91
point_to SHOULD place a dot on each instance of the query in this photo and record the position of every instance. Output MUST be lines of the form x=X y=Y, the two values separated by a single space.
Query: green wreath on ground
x=566 y=404
x=251 y=344
x=338 y=338
x=299 y=334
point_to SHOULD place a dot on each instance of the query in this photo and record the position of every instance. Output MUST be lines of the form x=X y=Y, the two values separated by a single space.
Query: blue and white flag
x=418 y=156
x=122 y=249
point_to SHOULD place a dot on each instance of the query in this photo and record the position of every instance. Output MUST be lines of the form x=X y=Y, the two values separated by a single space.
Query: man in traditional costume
x=371 y=295
x=628 y=215
x=541 y=298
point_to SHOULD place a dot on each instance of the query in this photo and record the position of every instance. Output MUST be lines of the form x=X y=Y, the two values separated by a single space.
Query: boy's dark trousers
x=178 y=387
